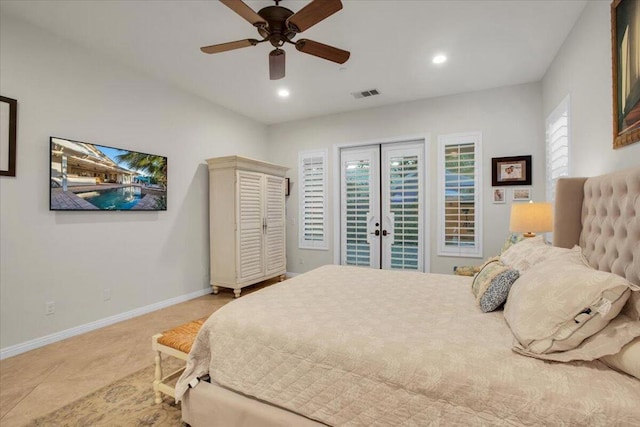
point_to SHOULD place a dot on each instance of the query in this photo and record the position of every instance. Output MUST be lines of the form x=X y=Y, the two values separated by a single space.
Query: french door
x=382 y=206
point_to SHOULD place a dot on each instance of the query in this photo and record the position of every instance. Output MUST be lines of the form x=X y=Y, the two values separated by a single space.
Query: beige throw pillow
x=529 y=252
x=561 y=302
x=626 y=360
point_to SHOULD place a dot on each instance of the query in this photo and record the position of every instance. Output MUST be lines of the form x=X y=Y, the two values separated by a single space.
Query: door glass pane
x=404 y=203
x=357 y=175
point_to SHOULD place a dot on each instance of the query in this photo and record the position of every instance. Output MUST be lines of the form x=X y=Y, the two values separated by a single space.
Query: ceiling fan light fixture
x=279 y=25
x=439 y=59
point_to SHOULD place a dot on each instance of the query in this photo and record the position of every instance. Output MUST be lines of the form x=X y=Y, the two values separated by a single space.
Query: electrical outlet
x=49 y=308
x=106 y=294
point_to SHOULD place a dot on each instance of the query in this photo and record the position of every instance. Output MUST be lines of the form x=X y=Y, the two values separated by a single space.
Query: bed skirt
x=211 y=405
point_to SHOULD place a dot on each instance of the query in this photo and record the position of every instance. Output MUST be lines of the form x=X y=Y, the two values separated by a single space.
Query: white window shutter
x=459 y=187
x=312 y=199
x=557 y=146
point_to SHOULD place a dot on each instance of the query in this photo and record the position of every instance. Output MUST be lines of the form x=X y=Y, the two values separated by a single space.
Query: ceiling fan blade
x=323 y=51
x=313 y=13
x=223 y=47
x=239 y=7
x=276 y=64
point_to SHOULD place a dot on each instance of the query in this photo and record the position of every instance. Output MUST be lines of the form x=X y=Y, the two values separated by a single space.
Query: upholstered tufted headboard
x=601 y=214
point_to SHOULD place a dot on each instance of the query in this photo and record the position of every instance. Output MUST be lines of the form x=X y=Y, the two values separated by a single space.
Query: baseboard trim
x=14 y=350
x=290 y=274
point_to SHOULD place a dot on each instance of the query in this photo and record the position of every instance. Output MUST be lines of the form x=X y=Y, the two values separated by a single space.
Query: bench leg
x=158 y=378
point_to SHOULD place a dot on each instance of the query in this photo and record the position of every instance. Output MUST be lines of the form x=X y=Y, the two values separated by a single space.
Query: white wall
x=70 y=257
x=509 y=119
x=582 y=69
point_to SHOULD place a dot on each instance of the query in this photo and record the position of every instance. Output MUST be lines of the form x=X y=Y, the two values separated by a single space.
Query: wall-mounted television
x=92 y=177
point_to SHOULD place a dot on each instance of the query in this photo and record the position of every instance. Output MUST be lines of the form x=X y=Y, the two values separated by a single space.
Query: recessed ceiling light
x=283 y=93
x=439 y=59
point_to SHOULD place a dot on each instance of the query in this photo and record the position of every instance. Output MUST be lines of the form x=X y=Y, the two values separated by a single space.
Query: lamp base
x=528 y=234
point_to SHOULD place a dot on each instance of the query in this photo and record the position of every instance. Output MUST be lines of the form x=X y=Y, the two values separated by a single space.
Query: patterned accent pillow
x=529 y=252
x=483 y=279
x=511 y=240
x=498 y=291
x=562 y=302
x=466 y=270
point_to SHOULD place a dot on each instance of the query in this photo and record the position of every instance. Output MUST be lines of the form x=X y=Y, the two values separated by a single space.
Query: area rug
x=127 y=402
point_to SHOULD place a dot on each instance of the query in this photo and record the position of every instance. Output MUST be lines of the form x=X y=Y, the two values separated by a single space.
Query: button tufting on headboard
x=610 y=235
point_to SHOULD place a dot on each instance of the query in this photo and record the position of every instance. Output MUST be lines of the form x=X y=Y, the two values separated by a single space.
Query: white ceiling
x=488 y=43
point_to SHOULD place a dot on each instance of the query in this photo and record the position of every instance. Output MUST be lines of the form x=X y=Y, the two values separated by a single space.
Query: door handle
x=377 y=232
x=385 y=233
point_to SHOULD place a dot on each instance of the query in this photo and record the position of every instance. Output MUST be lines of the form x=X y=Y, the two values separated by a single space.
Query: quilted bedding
x=360 y=347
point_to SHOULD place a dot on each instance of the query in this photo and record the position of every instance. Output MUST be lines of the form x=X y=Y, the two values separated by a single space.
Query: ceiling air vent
x=365 y=93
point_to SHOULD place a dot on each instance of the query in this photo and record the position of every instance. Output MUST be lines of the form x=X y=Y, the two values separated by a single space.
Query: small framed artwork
x=511 y=171
x=521 y=194
x=625 y=21
x=8 y=128
x=499 y=195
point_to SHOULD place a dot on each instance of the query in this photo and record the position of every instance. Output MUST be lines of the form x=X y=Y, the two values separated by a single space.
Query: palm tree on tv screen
x=155 y=166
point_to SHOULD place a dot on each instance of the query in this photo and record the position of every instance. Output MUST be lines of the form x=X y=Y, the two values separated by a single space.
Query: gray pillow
x=498 y=291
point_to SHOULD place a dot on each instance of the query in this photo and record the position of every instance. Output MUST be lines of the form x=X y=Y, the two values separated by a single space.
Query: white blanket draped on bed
x=355 y=346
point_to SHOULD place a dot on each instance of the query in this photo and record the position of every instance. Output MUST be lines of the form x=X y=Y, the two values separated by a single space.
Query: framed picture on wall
x=521 y=194
x=499 y=195
x=511 y=171
x=8 y=130
x=625 y=53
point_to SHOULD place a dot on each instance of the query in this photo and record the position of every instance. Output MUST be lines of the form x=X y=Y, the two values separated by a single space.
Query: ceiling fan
x=278 y=25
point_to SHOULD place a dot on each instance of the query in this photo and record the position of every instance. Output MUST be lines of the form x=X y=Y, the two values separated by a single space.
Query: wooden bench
x=177 y=343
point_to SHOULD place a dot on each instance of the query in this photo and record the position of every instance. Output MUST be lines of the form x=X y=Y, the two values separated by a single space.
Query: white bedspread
x=360 y=347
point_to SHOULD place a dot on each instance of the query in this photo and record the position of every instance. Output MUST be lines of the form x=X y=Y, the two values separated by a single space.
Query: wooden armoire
x=246 y=222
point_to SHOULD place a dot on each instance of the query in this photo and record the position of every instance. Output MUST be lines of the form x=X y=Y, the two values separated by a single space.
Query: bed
x=352 y=346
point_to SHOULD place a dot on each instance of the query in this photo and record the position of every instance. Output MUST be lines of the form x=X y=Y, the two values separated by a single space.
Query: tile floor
x=37 y=382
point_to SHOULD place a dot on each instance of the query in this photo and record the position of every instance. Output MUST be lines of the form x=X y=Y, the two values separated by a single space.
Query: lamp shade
x=531 y=218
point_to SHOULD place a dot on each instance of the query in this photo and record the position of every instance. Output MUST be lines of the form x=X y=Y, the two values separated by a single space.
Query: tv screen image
x=90 y=177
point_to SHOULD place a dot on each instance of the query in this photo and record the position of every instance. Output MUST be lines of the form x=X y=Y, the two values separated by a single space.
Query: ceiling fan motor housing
x=278 y=31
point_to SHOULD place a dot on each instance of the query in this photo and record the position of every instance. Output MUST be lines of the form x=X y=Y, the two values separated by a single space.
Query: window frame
x=562 y=109
x=444 y=141
x=304 y=243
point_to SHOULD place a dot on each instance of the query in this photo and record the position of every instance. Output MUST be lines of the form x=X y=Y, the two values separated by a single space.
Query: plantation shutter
x=557 y=147
x=312 y=200
x=357 y=211
x=404 y=205
x=460 y=227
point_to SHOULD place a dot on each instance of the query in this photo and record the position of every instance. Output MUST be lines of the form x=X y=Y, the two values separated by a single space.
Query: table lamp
x=531 y=218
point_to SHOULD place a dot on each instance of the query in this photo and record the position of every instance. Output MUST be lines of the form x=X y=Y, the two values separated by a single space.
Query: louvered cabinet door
x=274 y=217
x=250 y=225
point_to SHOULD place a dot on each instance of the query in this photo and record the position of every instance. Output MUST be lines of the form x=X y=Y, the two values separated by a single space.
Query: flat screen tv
x=91 y=177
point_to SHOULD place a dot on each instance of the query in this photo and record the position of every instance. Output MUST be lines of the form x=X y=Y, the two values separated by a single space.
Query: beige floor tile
x=35 y=383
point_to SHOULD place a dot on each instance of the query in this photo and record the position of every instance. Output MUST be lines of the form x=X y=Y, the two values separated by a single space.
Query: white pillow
x=559 y=303
x=626 y=360
x=529 y=252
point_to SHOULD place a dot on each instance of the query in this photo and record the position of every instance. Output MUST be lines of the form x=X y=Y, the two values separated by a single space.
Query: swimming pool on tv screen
x=113 y=199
